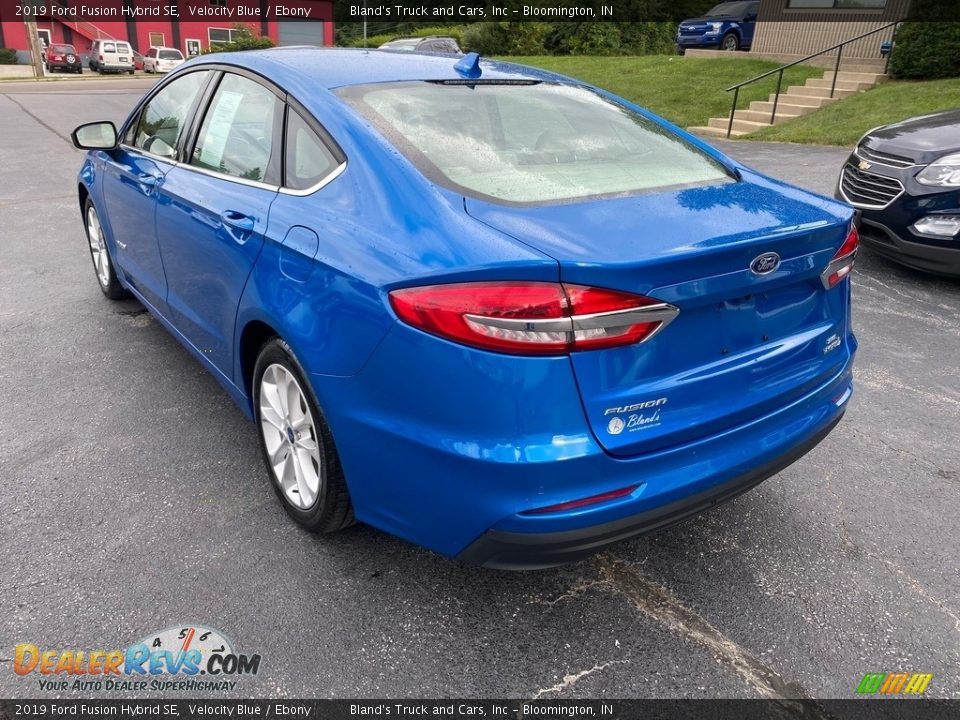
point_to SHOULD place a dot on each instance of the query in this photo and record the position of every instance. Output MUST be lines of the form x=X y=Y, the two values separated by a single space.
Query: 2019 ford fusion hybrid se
x=488 y=309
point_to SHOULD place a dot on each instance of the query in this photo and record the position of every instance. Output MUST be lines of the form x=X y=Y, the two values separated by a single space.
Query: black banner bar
x=439 y=12
x=859 y=709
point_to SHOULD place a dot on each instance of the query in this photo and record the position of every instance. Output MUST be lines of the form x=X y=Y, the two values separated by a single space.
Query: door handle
x=148 y=182
x=237 y=220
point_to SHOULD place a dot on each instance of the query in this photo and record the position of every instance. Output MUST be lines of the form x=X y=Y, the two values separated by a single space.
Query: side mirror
x=95 y=136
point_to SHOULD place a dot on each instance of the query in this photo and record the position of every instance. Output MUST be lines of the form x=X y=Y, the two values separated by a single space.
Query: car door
x=213 y=208
x=134 y=172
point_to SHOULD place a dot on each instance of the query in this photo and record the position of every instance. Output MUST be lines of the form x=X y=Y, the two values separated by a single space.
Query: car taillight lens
x=532 y=318
x=842 y=263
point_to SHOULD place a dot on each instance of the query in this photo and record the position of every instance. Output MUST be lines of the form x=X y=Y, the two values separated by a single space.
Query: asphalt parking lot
x=132 y=499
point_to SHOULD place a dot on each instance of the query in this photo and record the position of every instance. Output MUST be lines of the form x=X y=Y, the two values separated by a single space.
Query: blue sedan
x=492 y=310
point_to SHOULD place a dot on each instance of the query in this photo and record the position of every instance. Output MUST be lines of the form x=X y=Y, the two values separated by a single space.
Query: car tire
x=130 y=71
x=296 y=444
x=730 y=42
x=100 y=254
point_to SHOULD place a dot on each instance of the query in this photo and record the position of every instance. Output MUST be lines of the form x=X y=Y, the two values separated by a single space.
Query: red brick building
x=144 y=23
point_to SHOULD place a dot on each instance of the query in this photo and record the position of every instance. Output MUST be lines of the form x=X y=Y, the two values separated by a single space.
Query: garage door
x=301 y=32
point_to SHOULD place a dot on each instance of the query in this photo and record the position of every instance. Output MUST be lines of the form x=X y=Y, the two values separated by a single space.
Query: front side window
x=239 y=135
x=163 y=118
x=308 y=160
x=530 y=143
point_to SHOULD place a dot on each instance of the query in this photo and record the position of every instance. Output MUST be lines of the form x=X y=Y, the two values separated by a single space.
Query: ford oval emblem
x=765 y=264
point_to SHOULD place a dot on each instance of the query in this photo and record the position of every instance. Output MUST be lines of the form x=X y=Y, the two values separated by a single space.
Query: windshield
x=728 y=9
x=530 y=143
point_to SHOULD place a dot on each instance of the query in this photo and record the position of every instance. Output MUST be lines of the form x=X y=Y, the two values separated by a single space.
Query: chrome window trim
x=231 y=178
x=323 y=182
x=152 y=156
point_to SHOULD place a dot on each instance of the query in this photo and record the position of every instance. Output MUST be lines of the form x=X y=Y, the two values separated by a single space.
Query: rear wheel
x=296 y=443
x=100 y=254
x=730 y=42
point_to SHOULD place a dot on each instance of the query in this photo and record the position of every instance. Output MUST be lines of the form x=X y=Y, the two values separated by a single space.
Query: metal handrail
x=836 y=69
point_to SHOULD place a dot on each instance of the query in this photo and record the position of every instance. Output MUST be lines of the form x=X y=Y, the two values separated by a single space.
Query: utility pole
x=35 y=51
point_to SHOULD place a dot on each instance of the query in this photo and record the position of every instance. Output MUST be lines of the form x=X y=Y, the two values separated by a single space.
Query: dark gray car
x=432 y=44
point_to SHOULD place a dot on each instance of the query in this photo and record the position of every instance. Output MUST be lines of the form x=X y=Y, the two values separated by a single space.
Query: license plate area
x=750 y=320
x=123 y=59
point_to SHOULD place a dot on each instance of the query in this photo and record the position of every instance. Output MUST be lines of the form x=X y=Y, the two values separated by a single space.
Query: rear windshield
x=530 y=143
x=109 y=47
x=170 y=55
x=63 y=48
x=123 y=48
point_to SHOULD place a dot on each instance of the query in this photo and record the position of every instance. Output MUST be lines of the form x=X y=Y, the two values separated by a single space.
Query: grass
x=686 y=91
x=843 y=122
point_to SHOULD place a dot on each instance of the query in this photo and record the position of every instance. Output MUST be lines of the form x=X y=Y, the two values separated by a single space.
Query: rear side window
x=308 y=160
x=530 y=143
x=162 y=120
x=239 y=136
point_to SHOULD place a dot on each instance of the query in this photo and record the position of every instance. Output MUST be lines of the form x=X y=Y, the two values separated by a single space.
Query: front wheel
x=730 y=42
x=100 y=254
x=296 y=443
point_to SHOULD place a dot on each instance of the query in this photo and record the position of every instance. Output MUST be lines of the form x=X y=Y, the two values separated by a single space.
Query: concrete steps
x=795 y=101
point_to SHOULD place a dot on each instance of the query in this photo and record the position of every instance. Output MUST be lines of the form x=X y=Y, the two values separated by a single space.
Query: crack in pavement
x=656 y=602
x=844 y=532
x=572 y=679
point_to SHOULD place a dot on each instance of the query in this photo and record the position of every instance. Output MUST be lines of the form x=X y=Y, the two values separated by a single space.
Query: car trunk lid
x=743 y=343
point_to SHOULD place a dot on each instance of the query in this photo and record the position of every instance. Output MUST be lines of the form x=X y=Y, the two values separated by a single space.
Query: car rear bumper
x=532 y=551
x=464 y=447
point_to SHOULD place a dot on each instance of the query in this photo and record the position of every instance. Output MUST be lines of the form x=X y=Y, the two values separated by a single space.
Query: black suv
x=905 y=180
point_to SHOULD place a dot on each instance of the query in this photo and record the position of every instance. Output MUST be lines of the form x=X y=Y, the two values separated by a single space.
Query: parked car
x=63 y=57
x=905 y=180
x=727 y=26
x=162 y=59
x=512 y=320
x=137 y=60
x=110 y=56
x=432 y=44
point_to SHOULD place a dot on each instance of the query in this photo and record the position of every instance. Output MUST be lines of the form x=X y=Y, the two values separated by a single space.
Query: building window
x=220 y=36
x=836 y=4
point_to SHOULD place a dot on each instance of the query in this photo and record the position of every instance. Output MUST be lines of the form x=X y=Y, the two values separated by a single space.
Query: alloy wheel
x=290 y=436
x=98 y=248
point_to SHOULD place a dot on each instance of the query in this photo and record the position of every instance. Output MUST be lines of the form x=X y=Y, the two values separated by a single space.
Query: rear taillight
x=101 y=58
x=532 y=318
x=842 y=263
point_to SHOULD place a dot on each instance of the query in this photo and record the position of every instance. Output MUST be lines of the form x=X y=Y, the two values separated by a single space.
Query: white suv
x=111 y=56
x=161 y=59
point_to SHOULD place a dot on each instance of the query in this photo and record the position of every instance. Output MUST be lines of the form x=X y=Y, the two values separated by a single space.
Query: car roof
x=338 y=67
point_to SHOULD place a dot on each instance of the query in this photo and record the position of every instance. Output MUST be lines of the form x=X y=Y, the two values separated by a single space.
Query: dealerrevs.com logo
x=189 y=658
